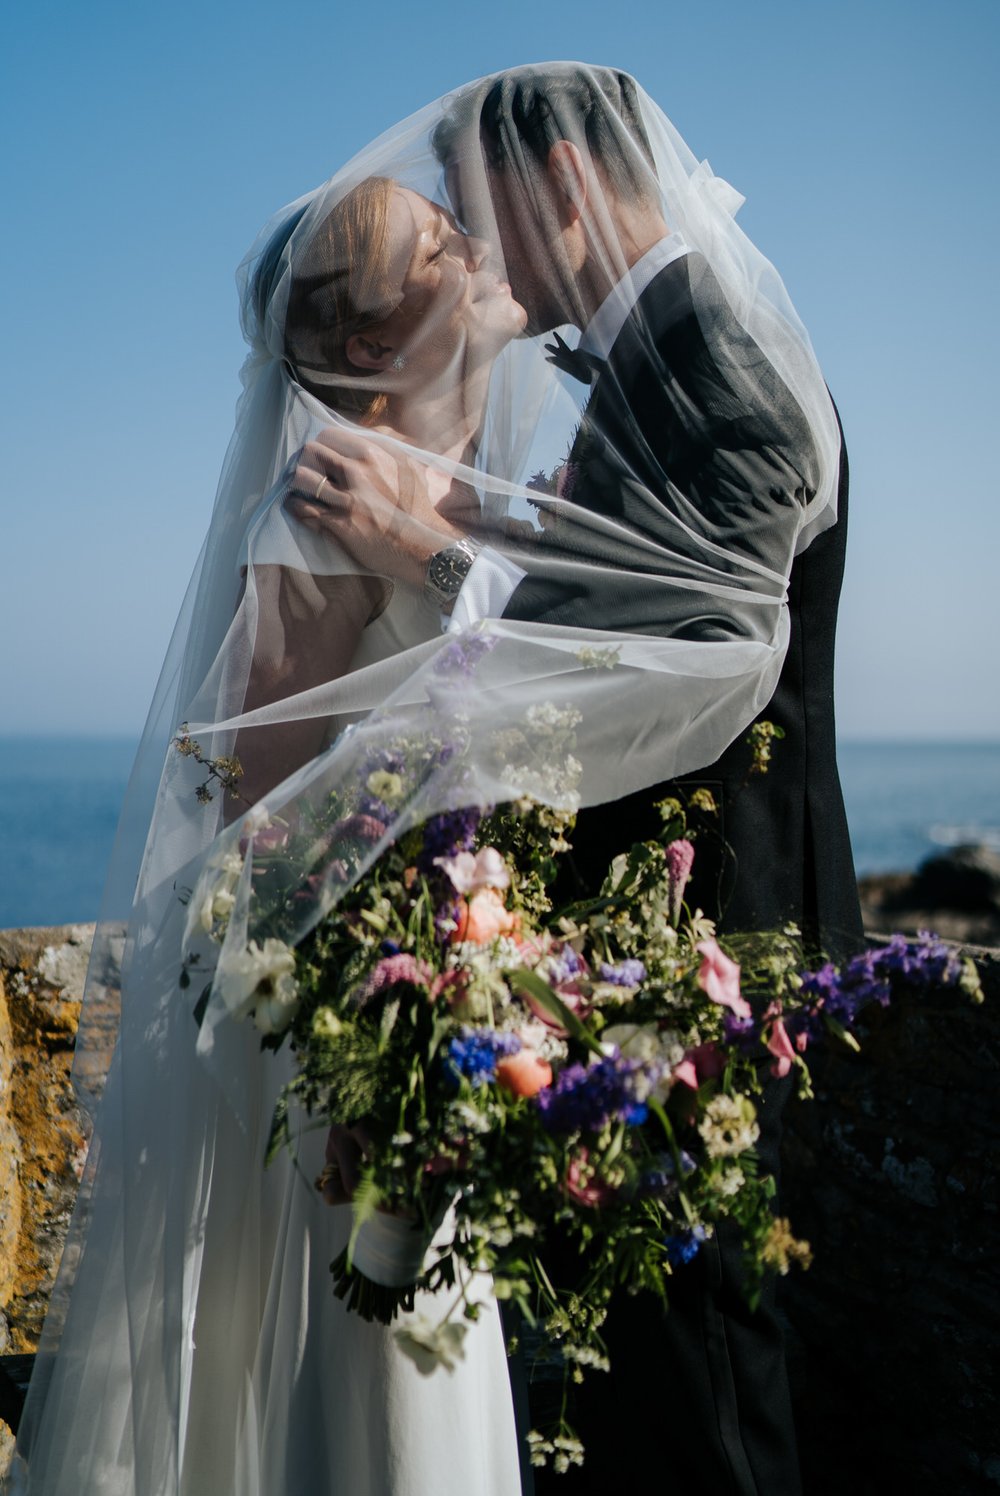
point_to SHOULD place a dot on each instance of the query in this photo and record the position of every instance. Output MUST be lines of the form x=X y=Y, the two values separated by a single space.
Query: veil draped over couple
x=521 y=393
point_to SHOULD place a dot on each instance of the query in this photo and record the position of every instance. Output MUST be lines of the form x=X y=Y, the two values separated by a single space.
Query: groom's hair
x=521 y=114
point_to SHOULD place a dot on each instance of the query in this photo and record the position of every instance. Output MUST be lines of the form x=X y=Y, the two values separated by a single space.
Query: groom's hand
x=375 y=503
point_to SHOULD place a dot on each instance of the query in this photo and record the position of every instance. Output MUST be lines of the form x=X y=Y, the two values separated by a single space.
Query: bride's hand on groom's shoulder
x=376 y=503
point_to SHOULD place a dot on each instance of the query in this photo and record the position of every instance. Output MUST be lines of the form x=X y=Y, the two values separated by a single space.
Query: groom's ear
x=365 y=350
x=568 y=177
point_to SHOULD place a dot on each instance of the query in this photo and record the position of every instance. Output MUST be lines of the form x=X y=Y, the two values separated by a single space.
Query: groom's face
x=519 y=217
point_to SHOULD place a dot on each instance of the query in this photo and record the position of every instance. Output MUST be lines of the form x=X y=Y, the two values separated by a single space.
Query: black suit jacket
x=690 y=431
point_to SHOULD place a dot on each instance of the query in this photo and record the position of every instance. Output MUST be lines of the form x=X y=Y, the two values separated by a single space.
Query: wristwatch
x=448 y=569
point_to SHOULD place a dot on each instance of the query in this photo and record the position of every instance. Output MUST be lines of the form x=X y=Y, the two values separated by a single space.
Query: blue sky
x=145 y=146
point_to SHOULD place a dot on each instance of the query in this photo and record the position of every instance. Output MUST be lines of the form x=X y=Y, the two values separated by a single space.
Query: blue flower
x=474 y=1054
x=661 y=1178
x=685 y=1245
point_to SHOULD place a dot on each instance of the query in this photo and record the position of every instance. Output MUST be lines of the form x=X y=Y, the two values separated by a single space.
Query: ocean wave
x=970 y=833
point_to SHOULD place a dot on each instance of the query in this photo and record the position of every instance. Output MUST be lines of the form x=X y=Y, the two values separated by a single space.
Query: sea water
x=60 y=797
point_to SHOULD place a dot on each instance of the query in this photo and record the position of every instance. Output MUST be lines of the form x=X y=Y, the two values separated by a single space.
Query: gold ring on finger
x=322 y=484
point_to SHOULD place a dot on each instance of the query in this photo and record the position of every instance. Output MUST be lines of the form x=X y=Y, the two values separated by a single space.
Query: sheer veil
x=642 y=622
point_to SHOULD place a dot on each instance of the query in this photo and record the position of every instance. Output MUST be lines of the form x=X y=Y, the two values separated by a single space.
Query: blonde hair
x=340 y=286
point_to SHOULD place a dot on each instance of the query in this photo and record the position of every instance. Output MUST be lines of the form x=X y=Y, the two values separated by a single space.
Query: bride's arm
x=308 y=629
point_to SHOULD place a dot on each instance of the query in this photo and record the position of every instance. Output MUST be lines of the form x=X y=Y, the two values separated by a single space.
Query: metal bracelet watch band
x=447 y=570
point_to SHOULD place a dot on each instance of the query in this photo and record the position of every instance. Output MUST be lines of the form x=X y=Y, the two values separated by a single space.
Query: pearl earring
x=399 y=363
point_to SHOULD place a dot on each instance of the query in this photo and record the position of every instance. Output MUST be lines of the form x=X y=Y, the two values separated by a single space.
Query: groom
x=700 y=1393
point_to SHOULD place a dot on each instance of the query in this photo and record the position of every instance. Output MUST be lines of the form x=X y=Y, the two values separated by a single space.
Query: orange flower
x=484 y=917
x=524 y=1073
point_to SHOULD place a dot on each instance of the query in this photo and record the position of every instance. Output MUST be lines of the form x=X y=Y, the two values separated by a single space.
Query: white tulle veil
x=655 y=620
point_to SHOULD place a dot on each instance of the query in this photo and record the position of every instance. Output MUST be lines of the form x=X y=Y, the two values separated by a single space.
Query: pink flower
x=267 y=839
x=704 y=1062
x=780 y=1046
x=468 y=871
x=719 y=979
x=583 y=1184
x=709 y=1060
x=483 y=918
x=686 y=1073
x=451 y=985
x=679 y=857
x=452 y=1160
x=358 y=828
x=389 y=971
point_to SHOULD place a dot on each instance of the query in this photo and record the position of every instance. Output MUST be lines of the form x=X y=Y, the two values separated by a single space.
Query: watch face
x=447 y=570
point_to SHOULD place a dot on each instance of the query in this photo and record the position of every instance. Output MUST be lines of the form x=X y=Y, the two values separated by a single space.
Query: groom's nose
x=477 y=251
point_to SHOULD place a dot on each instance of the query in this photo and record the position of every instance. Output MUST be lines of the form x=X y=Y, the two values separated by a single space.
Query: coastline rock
x=955 y=893
x=43 y=1132
x=893 y=1174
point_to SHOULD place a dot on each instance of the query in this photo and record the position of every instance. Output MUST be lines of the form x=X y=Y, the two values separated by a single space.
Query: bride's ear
x=366 y=350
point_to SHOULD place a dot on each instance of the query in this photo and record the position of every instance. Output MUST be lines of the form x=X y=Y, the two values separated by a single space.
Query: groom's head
x=552 y=162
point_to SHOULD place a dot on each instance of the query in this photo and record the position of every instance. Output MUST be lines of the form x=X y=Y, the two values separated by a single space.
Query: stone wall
x=42 y=1132
x=892 y=1174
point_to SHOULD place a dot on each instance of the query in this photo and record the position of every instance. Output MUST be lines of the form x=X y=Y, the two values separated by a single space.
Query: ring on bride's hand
x=322 y=484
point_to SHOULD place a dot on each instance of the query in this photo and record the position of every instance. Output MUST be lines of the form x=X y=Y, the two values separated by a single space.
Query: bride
x=204 y=1351
x=193 y=1346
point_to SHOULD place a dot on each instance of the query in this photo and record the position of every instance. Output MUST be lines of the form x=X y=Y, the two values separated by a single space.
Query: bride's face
x=455 y=311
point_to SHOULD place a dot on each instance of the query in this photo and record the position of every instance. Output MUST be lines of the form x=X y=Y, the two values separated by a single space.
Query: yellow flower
x=385 y=786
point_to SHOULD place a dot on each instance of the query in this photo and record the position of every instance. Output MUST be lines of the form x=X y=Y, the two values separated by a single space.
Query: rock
x=966 y=878
x=43 y=1133
x=955 y=894
x=893 y=1174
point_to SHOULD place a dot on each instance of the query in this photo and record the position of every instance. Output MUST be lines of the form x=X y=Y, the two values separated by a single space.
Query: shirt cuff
x=486 y=591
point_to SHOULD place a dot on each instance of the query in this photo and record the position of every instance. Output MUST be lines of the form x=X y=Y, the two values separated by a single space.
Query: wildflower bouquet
x=521 y=1074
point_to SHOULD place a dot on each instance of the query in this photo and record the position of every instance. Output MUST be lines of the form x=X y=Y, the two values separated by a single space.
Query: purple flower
x=627 y=973
x=461 y=656
x=741 y=1032
x=564 y=966
x=445 y=835
x=870 y=977
x=370 y=805
x=586 y=1098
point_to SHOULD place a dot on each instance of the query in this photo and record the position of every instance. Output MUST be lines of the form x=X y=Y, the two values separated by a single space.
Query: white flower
x=260 y=979
x=729 y=1125
x=256 y=819
x=730 y=1181
x=429 y=1345
x=469 y=871
x=214 y=897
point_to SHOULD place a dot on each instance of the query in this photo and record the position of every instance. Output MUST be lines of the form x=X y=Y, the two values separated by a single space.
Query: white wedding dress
x=203 y=1352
